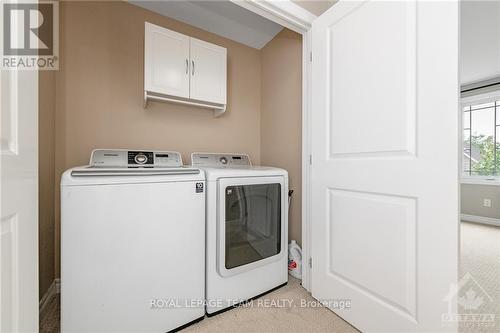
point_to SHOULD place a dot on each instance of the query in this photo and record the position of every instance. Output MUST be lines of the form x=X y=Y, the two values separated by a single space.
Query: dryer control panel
x=217 y=160
x=122 y=158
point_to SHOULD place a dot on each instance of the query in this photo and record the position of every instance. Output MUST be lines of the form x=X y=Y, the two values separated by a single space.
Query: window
x=253 y=223
x=481 y=140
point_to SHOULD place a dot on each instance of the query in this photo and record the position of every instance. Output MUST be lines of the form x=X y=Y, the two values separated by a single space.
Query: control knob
x=140 y=158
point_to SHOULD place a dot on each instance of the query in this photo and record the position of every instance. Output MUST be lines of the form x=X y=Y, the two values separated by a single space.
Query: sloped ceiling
x=314 y=6
x=219 y=17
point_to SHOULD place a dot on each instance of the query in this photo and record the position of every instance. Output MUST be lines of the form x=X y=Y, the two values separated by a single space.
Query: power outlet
x=487 y=202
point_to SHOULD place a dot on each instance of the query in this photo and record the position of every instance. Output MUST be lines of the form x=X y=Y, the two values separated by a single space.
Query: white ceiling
x=480 y=40
x=223 y=18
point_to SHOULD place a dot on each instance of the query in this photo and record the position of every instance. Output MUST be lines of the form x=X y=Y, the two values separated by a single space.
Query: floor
x=255 y=318
x=290 y=318
x=480 y=258
x=50 y=316
x=480 y=270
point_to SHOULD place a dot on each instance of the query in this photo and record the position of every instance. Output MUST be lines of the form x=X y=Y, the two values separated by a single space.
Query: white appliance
x=247 y=229
x=133 y=243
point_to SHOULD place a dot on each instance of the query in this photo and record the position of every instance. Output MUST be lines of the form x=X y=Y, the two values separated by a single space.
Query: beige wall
x=281 y=119
x=46 y=132
x=100 y=91
x=314 y=6
x=472 y=200
x=99 y=104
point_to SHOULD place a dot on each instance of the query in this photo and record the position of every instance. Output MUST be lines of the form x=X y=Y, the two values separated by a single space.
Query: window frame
x=493 y=96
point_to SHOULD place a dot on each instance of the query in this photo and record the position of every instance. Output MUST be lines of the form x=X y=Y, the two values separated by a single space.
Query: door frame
x=292 y=16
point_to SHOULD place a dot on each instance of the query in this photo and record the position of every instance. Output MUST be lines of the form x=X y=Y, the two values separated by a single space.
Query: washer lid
x=89 y=175
x=119 y=166
x=90 y=171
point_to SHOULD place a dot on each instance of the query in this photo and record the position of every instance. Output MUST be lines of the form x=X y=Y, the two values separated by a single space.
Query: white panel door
x=385 y=162
x=208 y=72
x=166 y=54
x=19 y=201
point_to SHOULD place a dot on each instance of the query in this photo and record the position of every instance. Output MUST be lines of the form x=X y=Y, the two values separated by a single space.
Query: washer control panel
x=220 y=160
x=122 y=158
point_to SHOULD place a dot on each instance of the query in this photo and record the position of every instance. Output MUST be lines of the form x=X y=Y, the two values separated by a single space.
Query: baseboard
x=480 y=219
x=54 y=289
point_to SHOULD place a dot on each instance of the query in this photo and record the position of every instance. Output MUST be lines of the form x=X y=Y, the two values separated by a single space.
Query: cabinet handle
x=192 y=61
x=187 y=67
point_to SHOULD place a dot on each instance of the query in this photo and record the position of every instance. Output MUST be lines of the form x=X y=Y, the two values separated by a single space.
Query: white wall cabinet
x=208 y=80
x=185 y=70
x=166 y=59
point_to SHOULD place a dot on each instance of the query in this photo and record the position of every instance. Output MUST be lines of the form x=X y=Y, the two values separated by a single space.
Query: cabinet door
x=208 y=72
x=166 y=69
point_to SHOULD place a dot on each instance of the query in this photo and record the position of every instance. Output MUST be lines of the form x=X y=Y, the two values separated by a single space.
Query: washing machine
x=247 y=229
x=132 y=243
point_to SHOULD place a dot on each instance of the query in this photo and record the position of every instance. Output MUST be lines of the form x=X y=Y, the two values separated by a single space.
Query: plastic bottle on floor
x=294 y=260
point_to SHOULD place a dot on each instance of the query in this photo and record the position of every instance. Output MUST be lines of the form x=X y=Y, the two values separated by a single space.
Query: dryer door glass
x=253 y=223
